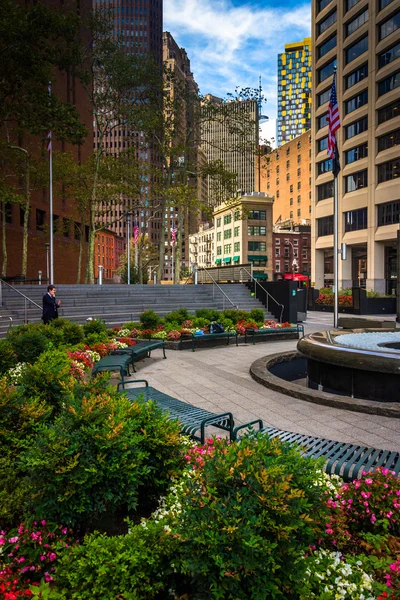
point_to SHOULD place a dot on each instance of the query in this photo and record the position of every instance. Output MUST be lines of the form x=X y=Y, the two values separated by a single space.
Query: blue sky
x=231 y=42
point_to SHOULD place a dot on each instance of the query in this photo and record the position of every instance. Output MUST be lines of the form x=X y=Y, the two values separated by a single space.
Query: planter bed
x=186 y=343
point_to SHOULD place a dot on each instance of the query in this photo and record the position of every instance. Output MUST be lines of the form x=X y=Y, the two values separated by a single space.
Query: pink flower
x=329 y=531
x=52 y=557
x=42 y=558
x=350 y=500
x=373 y=518
x=366 y=495
x=43 y=523
x=368 y=481
x=64 y=531
x=384 y=471
x=14 y=540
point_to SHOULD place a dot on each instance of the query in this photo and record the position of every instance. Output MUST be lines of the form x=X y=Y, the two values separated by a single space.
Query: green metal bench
x=346 y=460
x=113 y=362
x=214 y=336
x=193 y=420
x=299 y=329
x=140 y=350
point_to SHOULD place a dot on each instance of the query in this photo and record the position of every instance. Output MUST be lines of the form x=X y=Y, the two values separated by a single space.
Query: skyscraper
x=294 y=91
x=362 y=39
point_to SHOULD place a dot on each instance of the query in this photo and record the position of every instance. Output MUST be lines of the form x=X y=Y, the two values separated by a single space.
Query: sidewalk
x=218 y=379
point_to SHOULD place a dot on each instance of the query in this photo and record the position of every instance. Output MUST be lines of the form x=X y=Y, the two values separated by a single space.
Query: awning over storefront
x=262 y=276
x=227 y=259
x=236 y=258
x=218 y=261
x=252 y=258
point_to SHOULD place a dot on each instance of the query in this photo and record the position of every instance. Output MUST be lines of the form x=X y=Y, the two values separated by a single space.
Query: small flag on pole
x=136 y=233
x=174 y=232
x=333 y=119
x=48 y=143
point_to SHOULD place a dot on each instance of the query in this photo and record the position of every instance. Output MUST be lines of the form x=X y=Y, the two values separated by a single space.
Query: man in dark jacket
x=50 y=305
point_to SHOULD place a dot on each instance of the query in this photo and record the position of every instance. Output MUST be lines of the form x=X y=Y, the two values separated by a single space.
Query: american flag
x=333 y=119
x=136 y=233
x=48 y=143
x=174 y=232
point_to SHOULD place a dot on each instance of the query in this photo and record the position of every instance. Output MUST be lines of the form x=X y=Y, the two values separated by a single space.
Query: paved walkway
x=218 y=379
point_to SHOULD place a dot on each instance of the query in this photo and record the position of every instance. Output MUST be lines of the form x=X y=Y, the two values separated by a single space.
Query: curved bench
x=141 y=349
x=193 y=420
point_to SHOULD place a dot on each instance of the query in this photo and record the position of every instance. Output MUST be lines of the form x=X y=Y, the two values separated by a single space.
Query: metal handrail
x=26 y=298
x=220 y=289
x=252 y=278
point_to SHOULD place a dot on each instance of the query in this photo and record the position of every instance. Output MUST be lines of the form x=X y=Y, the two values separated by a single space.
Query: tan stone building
x=243 y=232
x=363 y=38
x=286 y=175
x=202 y=247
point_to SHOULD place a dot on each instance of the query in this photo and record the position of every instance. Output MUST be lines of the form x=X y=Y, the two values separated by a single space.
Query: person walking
x=50 y=305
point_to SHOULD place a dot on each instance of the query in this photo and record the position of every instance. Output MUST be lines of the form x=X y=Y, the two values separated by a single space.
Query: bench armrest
x=122 y=384
x=246 y=426
x=228 y=416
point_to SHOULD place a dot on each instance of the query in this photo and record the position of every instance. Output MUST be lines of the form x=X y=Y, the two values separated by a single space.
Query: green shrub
x=8 y=358
x=235 y=315
x=101 y=459
x=227 y=323
x=172 y=326
x=97 y=338
x=96 y=326
x=245 y=519
x=200 y=322
x=72 y=332
x=131 y=325
x=208 y=313
x=29 y=346
x=134 y=566
x=178 y=316
x=257 y=314
x=149 y=319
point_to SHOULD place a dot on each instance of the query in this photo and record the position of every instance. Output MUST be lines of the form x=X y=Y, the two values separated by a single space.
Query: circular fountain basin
x=356 y=363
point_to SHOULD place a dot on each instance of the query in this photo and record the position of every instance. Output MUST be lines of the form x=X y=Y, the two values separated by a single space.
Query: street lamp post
x=128 y=234
x=47 y=261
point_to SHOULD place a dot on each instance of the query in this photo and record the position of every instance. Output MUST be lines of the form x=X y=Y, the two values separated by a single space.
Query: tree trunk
x=161 y=253
x=4 y=240
x=89 y=277
x=78 y=277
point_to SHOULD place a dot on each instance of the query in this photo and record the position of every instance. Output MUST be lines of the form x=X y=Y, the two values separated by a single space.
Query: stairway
x=117 y=304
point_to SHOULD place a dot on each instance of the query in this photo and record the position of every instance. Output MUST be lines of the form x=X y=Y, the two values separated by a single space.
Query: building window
x=227 y=219
x=357 y=22
x=236 y=215
x=355 y=220
x=299 y=212
x=356 y=153
x=327 y=46
x=389 y=170
x=277 y=267
x=236 y=247
x=227 y=248
x=389 y=55
x=383 y=3
x=278 y=241
x=65 y=227
x=277 y=193
x=299 y=185
x=257 y=246
x=325 y=226
x=287 y=176
x=323 y=97
x=277 y=169
x=298 y=148
x=291 y=214
x=356 y=49
x=350 y=4
x=257 y=215
x=219 y=250
x=298 y=158
x=325 y=166
x=356 y=128
x=390 y=83
x=256 y=230
x=219 y=222
x=277 y=181
x=322 y=144
x=227 y=234
x=356 y=181
x=324 y=191
x=219 y=236
x=389 y=26
x=287 y=153
x=326 y=71
x=356 y=102
x=291 y=201
x=277 y=252
x=356 y=76
x=40 y=219
x=326 y=23
x=389 y=112
x=77 y=231
x=291 y=188
x=298 y=199
x=236 y=231
x=388 y=213
x=389 y=140
x=322 y=121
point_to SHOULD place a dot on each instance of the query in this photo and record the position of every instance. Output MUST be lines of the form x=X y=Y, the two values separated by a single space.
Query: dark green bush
x=178 y=316
x=8 y=357
x=29 y=346
x=97 y=338
x=149 y=319
x=72 y=332
x=101 y=459
x=134 y=566
x=247 y=516
x=258 y=315
x=200 y=322
x=235 y=315
x=208 y=313
x=96 y=326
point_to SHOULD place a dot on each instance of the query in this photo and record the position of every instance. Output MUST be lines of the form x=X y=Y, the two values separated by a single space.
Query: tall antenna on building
x=261 y=117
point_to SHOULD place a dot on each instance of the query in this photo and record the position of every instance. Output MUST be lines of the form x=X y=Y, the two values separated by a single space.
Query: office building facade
x=362 y=38
x=294 y=91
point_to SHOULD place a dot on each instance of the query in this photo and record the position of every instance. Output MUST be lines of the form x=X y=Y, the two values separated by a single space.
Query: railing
x=268 y=295
x=26 y=299
x=229 y=273
x=224 y=295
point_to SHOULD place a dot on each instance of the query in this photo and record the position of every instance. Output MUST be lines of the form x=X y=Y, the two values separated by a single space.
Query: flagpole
x=335 y=250
x=50 y=146
x=173 y=265
x=128 y=232
x=137 y=249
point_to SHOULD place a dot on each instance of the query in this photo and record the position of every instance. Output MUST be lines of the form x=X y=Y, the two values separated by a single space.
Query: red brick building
x=292 y=250
x=66 y=221
x=108 y=250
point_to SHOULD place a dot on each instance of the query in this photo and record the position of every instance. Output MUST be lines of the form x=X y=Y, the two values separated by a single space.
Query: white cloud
x=231 y=46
